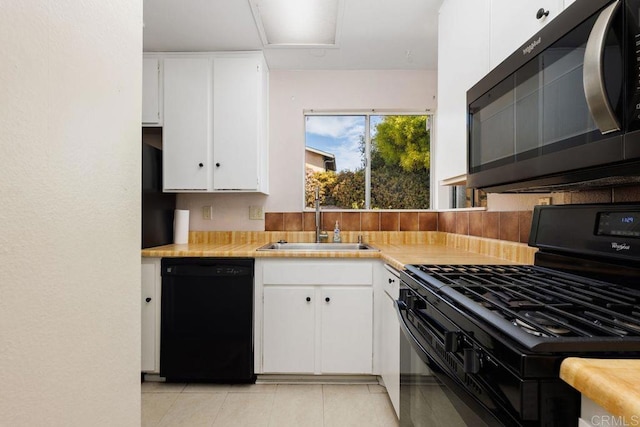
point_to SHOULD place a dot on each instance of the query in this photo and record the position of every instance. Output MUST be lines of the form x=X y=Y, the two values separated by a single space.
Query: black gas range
x=493 y=336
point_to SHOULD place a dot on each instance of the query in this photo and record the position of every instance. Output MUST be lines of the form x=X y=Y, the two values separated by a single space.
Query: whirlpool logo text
x=620 y=246
x=527 y=50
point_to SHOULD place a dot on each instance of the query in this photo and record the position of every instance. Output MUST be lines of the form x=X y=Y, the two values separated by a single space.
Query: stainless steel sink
x=317 y=247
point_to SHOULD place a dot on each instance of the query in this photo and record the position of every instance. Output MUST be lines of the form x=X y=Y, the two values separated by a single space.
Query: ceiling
x=375 y=34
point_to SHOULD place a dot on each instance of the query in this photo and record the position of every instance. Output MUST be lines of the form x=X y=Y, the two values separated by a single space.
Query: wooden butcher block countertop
x=613 y=384
x=395 y=248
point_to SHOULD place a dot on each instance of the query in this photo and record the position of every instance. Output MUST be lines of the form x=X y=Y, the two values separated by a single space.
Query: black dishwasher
x=207 y=320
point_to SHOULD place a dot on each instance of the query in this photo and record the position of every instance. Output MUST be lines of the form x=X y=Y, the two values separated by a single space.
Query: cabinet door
x=150 y=91
x=390 y=340
x=390 y=362
x=289 y=329
x=463 y=58
x=187 y=123
x=150 y=316
x=514 y=22
x=236 y=122
x=347 y=330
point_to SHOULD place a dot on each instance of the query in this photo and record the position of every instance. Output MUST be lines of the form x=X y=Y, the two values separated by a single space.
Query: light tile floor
x=268 y=405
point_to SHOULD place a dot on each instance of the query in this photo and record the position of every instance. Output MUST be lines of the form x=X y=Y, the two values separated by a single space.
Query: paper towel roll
x=181 y=226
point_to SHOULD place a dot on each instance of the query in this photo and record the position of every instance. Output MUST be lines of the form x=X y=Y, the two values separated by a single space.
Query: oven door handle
x=593 y=72
x=472 y=361
x=420 y=350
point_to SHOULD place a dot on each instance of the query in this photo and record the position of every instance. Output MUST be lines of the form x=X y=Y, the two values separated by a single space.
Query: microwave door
x=593 y=73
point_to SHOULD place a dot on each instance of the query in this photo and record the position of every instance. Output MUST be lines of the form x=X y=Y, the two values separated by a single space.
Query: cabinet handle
x=541 y=13
x=392 y=281
x=308 y=299
x=327 y=299
x=147 y=299
x=201 y=164
x=217 y=165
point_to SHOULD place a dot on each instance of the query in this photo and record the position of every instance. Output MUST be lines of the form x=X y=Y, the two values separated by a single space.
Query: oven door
x=428 y=396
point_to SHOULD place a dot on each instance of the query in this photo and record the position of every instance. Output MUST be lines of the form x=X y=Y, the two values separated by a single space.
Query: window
x=368 y=161
x=464 y=197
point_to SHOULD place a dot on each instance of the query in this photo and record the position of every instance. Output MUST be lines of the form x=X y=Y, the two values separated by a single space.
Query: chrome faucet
x=319 y=234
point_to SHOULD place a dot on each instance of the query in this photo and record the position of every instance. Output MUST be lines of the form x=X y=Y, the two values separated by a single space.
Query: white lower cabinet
x=289 y=329
x=317 y=316
x=150 y=322
x=346 y=324
x=390 y=336
x=594 y=415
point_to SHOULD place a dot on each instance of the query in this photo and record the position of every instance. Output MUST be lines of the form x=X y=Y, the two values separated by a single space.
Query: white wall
x=291 y=93
x=70 y=85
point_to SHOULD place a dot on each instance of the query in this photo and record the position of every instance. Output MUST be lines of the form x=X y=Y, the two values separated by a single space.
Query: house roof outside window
x=319 y=161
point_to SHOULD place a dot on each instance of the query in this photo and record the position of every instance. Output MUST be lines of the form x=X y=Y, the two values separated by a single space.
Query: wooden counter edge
x=613 y=384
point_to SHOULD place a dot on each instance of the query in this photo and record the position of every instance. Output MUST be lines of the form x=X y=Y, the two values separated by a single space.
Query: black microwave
x=563 y=111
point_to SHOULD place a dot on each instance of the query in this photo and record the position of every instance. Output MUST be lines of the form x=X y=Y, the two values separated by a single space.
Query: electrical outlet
x=206 y=212
x=544 y=201
x=256 y=212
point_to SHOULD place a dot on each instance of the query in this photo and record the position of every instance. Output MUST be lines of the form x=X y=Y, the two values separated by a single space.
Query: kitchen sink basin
x=316 y=247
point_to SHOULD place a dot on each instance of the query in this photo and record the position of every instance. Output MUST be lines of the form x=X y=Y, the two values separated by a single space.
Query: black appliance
x=562 y=112
x=488 y=340
x=207 y=320
x=157 y=207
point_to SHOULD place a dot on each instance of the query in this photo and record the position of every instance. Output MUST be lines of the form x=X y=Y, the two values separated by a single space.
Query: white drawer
x=391 y=282
x=317 y=272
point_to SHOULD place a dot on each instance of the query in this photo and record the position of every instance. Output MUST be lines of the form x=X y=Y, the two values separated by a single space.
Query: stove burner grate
x=540 y=301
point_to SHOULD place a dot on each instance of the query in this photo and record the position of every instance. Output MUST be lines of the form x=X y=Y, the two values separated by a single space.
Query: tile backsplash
x=353 y=221
x=511 y=226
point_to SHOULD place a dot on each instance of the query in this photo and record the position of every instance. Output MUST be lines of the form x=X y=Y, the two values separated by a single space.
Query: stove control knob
x=472 y=362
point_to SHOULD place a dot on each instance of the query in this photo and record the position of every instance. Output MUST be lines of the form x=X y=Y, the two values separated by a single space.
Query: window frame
x=367 y=113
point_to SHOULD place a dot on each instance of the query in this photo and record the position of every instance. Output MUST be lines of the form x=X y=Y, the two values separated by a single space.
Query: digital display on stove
x=619 y=224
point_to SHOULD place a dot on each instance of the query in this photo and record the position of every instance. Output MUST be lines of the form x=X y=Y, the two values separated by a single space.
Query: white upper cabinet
x=473 y=37
x=239 y=115
x=514 y=22
x=151 y=113
x=214 y=110
x=186 y=135
x=463 y=58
